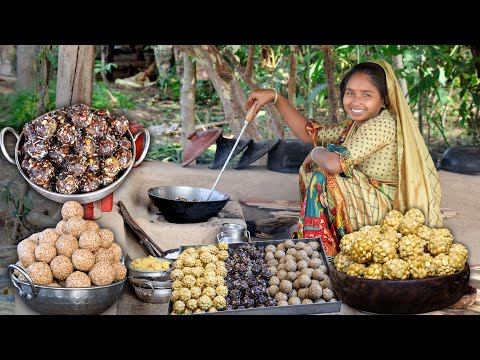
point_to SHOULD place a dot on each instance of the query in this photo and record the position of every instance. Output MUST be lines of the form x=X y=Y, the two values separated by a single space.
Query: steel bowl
x=48 y=300
x=82 y=198
x=412 y=296
x=185 y=204
x=152 y=291
x=161 y=275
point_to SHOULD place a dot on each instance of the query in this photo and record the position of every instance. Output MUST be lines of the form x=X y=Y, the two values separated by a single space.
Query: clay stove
x=169 y=235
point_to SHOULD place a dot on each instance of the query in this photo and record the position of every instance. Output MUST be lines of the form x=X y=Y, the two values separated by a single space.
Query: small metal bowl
x=161 y=275
x=154 y=292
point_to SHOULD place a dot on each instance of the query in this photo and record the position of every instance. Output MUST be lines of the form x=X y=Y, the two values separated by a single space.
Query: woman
x=360 y=169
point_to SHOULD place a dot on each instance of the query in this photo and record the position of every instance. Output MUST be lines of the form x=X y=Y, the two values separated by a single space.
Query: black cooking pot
x=185 y=204
x=463 y=159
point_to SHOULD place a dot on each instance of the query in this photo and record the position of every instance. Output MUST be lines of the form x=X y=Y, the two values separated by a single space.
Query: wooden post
x=187 y=99
x=75 y=75
x=26 y=67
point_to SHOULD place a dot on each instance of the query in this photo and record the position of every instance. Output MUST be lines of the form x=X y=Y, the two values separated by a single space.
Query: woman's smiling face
x=362 y=100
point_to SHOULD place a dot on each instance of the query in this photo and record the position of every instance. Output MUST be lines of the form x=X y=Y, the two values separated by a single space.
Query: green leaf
x=315 y=92
x=27 y=203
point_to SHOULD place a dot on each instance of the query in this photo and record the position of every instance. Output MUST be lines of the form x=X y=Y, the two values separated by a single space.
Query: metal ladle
x=248 y=119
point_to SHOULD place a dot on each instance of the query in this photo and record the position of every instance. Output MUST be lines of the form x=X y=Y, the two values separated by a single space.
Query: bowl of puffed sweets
x=76 y=268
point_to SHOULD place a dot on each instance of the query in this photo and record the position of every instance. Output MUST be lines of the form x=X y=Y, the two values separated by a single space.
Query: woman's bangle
x=276 y=97
x=313 y=151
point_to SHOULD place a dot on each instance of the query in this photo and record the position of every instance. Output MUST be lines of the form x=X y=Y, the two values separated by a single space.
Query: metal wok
x=185 y=204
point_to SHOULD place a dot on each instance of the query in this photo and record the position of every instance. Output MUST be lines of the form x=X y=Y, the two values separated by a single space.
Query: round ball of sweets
x=57 y=154
x=103 y=254
x=26 y=163
x=89 y=239
x=60 y=228
x=75 y=226
x=97 y=128
x=106 y=237
x=45 y=253
x=81 y=118
x=42 y=172
x=110 y=166
x=54 y=284
x=91 y=225
x=103 y=114
x=34 y=237
x=67 y=134
x=93 y=164
x=40 y=273
x=120 y=271
x=66 y=245
x=26 y=252
x=72 y=209
x=48 y=237
x=78 y=279
x=102 y=273
x=60 y=116
x=123 y=142
x=66 y=183
x=17 y=273
x=61 y=267
x=89 y=182
x=45 y=126
x=117 y=252
x=119 y=124
x=29 y=131
x=85 y=145
x=73 y=109
x=83 y=260
x=106 y=145
x=37 y=148
x=106 y=180
x=124 y=157
x=75 y=164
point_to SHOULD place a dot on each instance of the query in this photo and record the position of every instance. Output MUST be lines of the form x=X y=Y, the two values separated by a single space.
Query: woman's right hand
x=262 y=96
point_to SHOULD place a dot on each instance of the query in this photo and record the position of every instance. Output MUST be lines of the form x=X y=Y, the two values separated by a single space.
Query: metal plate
x=303 y=309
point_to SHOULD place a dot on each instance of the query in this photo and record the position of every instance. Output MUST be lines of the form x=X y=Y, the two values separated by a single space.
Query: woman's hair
x=376 y=74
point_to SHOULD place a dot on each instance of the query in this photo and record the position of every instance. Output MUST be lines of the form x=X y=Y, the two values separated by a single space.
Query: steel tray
x=303 y=309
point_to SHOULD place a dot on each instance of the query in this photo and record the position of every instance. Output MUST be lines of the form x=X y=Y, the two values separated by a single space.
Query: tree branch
x=328 y=63
x=250 y=62
x=275 y=116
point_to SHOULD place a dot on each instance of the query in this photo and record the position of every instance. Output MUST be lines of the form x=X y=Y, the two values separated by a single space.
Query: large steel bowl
x=82 y=198
x=47 y=300
x=185 y=204
x=412 y=296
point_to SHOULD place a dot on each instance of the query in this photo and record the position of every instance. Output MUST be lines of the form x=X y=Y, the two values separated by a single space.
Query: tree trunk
x=250 y=62
x=276 y=118
x=178 y=56
x=7 y=53
x=44 y=78
x=397 y=63
x=75 y=74
x=227 y=87
x=187 y=98
x=26 y=67
x=163 y=59
x=104 y=59
x=329 y=65
x=292 y=79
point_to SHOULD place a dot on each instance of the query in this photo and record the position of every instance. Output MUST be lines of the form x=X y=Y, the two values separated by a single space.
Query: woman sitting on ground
x=362 y=168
